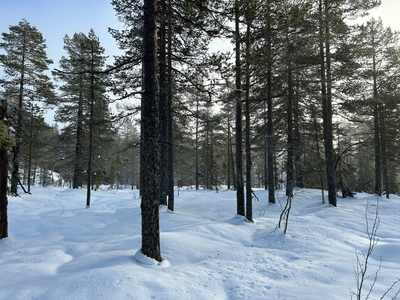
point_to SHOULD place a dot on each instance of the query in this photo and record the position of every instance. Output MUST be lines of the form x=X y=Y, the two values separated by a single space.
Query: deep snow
x=58 y=249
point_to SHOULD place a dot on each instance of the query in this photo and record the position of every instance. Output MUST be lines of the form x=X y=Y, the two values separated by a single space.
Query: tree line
x=306 y=99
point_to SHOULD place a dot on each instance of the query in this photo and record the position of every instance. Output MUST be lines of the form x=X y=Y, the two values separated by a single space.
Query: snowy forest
x=308 y=98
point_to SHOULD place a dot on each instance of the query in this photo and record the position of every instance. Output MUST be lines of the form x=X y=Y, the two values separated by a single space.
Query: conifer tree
x=24 y=63
x=84 y=103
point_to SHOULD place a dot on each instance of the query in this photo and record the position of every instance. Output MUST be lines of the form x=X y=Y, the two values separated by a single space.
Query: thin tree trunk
x=171 y=197
x=89 y=171
x=30 y=151
x=382 y=127
x=270 y=124
x=150 y=123
x=233 y=167
x=163 y=107
x=18 y=130
x=249 y=204
x=297 y=141
x=289 y=162
x=377 y=142
x=78 y=170
x=3 y=180
x=239 y=164
x=197 y=144
x=326 y=87
x=228 y=148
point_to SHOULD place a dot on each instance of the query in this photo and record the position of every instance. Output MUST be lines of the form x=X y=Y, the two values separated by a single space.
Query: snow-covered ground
x=58 y=249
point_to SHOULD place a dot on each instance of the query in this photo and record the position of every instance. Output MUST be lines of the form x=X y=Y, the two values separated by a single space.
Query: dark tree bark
x=249 y=204
x=377 y=141
x=289 y=115
x=163 y=107
x=3 y=180
x=78 y=169
x=239 y=163
x=171 y=197
x=297 y=142
x=30 y=152
x=321 y=179
x=326 y=91
x=91 y=121
x=151 y=159
x=270 y=124
x=228 y=149
x=18 y=129
x=382 y=125
x=197 y=144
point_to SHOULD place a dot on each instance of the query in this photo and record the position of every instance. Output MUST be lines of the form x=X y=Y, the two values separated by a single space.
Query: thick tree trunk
x=239 y=163
x=150 y=123
x=3 y=180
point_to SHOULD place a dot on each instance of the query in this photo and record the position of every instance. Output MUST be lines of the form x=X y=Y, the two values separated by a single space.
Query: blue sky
x=56 y=18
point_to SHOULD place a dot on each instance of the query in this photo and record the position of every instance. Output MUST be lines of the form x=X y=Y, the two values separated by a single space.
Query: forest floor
x=59 y=249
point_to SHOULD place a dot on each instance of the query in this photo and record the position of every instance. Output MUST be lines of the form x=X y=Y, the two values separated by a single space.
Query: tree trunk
x=326 y=90
x=150 y=123
x=382 y=127
x=239 y=163
x=270 y=124
x=249 y=204
x=297 y=141
x=3 y=180
x=89 y=170
x=171 y=197
x=163 y=107
x=289 y=162
x=228 y=148
x=197 y=144
x=30 y=152
x=78 y=170
x=321 y=179
x=18 y=129
x=377 y=142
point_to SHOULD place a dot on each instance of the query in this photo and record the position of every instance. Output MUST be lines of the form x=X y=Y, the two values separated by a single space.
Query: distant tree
x=33 y=141
x=84 y=105
x=379 y=69
x=25 y=63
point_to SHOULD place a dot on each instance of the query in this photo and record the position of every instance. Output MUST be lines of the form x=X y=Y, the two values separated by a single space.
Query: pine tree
x=84 y=104
x=25 y=63
x=379 y=56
